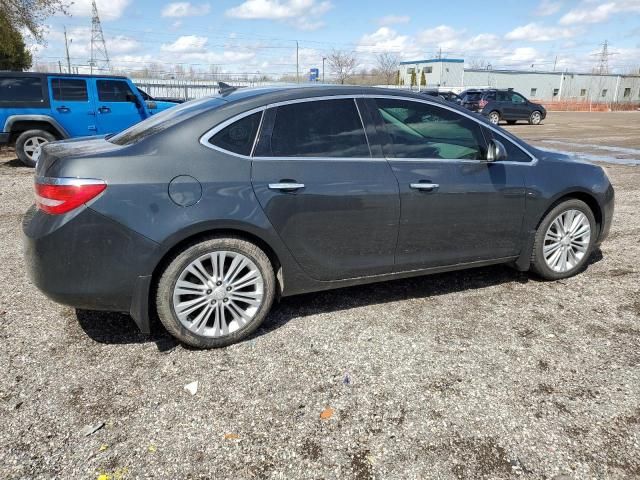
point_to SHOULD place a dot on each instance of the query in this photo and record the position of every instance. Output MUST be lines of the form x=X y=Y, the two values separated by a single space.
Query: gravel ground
x=487 y=373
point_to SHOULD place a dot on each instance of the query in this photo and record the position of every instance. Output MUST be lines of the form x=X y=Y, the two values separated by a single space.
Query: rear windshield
x=21 y=89
x=163 y=120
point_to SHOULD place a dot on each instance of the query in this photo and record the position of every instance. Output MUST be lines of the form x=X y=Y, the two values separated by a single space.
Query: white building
x=450 y=74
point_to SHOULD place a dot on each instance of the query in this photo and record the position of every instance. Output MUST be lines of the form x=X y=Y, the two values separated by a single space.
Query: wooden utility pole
x=66 y=47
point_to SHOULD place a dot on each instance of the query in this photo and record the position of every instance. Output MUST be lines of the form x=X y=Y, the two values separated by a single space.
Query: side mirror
x=496 y=151
x=151 y=105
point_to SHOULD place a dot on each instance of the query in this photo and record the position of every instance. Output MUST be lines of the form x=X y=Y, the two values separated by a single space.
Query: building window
x=556 y=91
x=627 y=93
x=410 y=70
x=533 y=92
x=428 y=69
x=583 y=92
x=604 y=92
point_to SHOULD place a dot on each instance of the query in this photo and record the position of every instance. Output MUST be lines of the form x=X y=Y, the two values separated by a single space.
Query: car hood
x=559 y=156
x=76 y=147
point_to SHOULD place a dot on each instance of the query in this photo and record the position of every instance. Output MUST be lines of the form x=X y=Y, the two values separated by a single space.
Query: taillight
x=61 y=195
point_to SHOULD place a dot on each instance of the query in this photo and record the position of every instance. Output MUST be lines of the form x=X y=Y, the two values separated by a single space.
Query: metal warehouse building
x=450 y=74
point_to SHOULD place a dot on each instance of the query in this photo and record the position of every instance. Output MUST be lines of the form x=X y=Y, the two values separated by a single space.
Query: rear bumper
x=85 y=260
x=4 y=138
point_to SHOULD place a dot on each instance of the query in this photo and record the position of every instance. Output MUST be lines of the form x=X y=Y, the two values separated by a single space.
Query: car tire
x=494 y=117
x=535 y=118
x=511 y=122
x=28 y=142
x=217 y=297
x=553 y=241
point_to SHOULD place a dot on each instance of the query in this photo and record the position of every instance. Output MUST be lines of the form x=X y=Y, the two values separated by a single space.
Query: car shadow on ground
x=118 y=328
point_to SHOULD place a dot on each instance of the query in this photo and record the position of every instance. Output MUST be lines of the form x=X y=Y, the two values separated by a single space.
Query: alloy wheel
x=494 y=118
x=32 y=144
x=566 y=241
x=536 y=118
x=218 y=293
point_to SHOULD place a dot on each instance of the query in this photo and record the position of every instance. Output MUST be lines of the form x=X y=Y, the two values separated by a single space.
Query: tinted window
x=69 y=90
x=113 y=90
x=517 y=98
x=418 y=130
x=472 y=96
x=514 y=153
x=326 y=128
x=504 y=97
x=20 y=89
x=491 y=96
x=239 y=136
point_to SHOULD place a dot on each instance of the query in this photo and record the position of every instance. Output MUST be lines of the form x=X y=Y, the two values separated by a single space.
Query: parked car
x=36 y=108
x=505 y=105
x=207 y=212
x=446 y=96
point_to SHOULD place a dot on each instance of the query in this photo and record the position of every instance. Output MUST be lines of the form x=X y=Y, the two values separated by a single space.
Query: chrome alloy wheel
x=566 y=241
x=32 y=145
x=494 y=117
x=536 y=118
x=218 y=293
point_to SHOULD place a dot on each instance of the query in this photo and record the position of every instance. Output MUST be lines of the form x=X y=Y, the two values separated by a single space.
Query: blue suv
x=36 y=108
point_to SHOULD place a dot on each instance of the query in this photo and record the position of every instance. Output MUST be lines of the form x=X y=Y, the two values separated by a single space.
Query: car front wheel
x=215 y=292
x=564 y=240
x=535 y=118
x=494 y=117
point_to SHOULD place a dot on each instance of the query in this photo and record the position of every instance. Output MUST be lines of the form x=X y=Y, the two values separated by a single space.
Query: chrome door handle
x=425 y=186
x=286 y=186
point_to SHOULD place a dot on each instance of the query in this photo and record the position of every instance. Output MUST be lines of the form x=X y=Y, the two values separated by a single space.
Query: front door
x=456 y=207
x=334 y=206
x=116 y=107
x=72 y=106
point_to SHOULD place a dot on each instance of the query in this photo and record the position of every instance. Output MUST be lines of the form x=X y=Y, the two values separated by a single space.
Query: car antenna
x=225 y=88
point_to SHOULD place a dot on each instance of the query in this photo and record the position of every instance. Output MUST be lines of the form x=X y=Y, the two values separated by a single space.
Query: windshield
x=163 y=120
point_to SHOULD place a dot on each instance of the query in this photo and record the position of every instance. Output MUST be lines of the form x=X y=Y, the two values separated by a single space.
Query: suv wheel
x=29 y=142
x=215 y=292
x=535 y=118
x=494 y=117
x=564 y=240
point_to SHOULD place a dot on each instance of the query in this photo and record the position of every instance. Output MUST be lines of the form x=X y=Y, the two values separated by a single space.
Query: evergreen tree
x=423 y=79
x=13 y=52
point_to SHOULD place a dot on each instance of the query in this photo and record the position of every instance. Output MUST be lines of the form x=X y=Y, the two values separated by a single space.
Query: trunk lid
x=77 y=147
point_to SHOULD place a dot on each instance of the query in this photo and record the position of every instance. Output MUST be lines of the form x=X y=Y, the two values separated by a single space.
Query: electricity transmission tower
x=603 y=60
x=99 y=56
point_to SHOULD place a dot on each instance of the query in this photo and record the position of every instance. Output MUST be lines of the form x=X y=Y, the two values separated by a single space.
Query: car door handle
x=425 y=186
x=104 y=110
x=63 y=109
x=286 y=186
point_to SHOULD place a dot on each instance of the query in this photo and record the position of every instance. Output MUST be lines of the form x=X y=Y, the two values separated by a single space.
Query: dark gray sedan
x=206 y=213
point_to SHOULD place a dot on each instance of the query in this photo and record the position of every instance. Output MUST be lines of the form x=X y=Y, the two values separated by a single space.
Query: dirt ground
x=487 y=373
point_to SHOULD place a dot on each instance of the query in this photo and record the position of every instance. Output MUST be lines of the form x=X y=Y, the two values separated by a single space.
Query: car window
x=325 y=128
x=419 y=130
x=71 y=90
x=504 y=97
x=239 y=136
x=472 y=96
x=514 y=153
x=517 y=98
x=491 y=96
x=113 y=90
x=21 y=89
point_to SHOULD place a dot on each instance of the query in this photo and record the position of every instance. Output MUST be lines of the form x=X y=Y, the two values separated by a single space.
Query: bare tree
x=31 y=14
x=387 y=65
x=342 y=64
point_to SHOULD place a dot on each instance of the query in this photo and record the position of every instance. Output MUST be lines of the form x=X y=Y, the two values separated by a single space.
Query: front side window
x=514 y=153
x=20 y=89
x=504 y=97
x=70 y=90
x=239 y=136
x=517 y=98
x=324 y=128
x=113 y=91
x=419 y=130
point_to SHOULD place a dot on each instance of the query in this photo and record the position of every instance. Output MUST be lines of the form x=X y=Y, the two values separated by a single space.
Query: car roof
x=6 y=73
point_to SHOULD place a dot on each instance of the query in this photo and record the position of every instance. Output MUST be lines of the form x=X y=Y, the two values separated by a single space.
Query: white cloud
x=534 y=32
x=394 y=19
x=548 y=7
x=521 y=56
x=186 y=44
x=302 y=14
x=384 y=39
x=107 y=9
x=439 y=35
x=185 y=9
x=588 y=12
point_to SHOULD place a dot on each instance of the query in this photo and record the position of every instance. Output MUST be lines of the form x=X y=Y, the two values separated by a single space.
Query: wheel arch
x=585 y=196
x=16 y=124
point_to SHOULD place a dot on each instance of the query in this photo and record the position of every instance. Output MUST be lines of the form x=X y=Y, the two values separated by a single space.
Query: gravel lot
x=487 y=373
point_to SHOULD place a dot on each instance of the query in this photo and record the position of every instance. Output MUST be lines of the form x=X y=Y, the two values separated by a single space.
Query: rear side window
x=239 y=136
x=69 y=89
x=21 y=89
x=113 y=90
x=419 y=130
x=324 y=128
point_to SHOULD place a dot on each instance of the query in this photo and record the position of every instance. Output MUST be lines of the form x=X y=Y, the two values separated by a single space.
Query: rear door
x=72 y=106
x=334 y=205
x=456 y=207
x=116 y=105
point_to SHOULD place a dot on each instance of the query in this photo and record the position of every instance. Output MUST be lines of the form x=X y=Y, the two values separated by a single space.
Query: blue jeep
x=36 y=108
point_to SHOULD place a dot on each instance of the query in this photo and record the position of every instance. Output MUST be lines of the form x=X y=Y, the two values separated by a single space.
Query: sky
x=250 y=36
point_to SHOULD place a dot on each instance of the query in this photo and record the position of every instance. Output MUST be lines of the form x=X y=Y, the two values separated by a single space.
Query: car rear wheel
x=494 y=117
x=29 y=143
x=215 y=292
x=535 y=118
x=564 y=240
